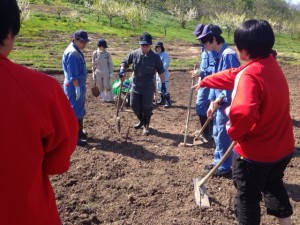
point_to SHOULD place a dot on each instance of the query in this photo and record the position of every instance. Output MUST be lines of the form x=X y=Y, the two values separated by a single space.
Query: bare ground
x=148 y=179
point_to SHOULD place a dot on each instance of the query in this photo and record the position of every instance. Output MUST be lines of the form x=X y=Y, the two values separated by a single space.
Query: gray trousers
x=141 y=101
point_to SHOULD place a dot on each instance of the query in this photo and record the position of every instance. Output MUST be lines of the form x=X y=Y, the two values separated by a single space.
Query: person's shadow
x=130 y=150
x=174 y=137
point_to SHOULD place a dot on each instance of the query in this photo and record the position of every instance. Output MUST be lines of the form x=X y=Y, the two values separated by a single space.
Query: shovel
x=117 y=121
x=201 y=196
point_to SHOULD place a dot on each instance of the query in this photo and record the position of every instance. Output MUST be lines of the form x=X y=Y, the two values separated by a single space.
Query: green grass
x=44 y=37
x=288 y=49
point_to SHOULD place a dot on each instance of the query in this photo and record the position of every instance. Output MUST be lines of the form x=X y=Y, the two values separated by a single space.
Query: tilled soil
x=135 y=179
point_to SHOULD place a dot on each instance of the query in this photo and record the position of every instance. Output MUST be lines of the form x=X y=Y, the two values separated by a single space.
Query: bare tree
x=134 y=14
x=228 y=20
x=183 y=15
x=108 y=8
x=25 y=10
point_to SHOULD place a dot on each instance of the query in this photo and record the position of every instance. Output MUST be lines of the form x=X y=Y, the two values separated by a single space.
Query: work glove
x=77 y=92
x=121 y=73
x=111 y=75
x=163 y=89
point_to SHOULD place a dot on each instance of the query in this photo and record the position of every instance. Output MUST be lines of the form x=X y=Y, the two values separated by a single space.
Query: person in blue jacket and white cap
x=75 y=73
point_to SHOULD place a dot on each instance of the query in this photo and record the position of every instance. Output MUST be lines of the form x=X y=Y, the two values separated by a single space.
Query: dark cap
x=161 y=45
x=198 y=29
x=82 y=35
x=102 y=43
x=210 y=29
x=145 y=39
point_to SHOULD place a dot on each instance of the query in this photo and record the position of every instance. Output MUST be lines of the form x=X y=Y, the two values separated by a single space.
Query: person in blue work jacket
x=206 y=68
x=75 y=73
x=165 y=58
x=225 y=58
x=145 y=64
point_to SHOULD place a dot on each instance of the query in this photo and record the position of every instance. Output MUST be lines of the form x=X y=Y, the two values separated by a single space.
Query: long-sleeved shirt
x=39 y=134
x=207 y=63
x=73 y=64
x=226 y=58
x=102 y=62
x=259 y=115
x=144 y=67
x=165 y=58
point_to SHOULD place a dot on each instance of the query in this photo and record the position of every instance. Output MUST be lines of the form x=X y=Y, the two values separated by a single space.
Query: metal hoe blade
x=118 y=122
x=118 y=125
x=201 y=196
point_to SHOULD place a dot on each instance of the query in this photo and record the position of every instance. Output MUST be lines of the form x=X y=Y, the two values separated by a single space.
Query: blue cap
x=82 y=35
x=210 y=29
x=198 y=29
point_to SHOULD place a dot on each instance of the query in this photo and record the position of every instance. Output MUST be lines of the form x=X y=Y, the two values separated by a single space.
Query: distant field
x=44 y=37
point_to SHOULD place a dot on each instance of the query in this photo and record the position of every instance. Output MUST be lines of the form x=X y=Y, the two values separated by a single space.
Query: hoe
x=201 y=196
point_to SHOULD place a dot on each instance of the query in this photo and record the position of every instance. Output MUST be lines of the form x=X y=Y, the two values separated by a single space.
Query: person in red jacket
x=38 y=134
x=260 y=123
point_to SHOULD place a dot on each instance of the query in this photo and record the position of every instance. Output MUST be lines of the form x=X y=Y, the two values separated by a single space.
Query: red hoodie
x=259 y=115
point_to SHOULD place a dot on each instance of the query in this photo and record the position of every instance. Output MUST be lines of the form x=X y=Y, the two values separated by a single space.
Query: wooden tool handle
x=213 y=170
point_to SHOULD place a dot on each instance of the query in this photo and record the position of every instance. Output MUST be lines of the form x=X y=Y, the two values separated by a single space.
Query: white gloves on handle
x=77 y=92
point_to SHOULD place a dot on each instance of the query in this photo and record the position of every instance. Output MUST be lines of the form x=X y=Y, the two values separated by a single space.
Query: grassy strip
x=44 y=37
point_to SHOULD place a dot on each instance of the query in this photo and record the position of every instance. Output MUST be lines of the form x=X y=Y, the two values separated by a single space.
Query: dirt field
x=149 y=179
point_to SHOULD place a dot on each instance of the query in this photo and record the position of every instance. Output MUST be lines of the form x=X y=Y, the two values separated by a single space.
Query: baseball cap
x=198 y=29
x=161 y=45
x=102 y=42
x=210 y=29
x=82 y=35
x=145 y=39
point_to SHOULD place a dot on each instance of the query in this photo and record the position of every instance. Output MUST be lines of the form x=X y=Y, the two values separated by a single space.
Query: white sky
x=293 y=1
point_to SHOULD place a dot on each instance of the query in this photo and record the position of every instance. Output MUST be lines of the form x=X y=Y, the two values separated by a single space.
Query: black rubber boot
x=140 y=123
x=206 y=132
x=146 y=120
x=82 y=133
x=81 y=142
x=168 y=101
x=161 y=100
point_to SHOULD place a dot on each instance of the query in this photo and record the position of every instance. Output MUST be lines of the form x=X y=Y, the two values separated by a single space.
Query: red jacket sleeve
x=244 y=109
x=221 y=80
